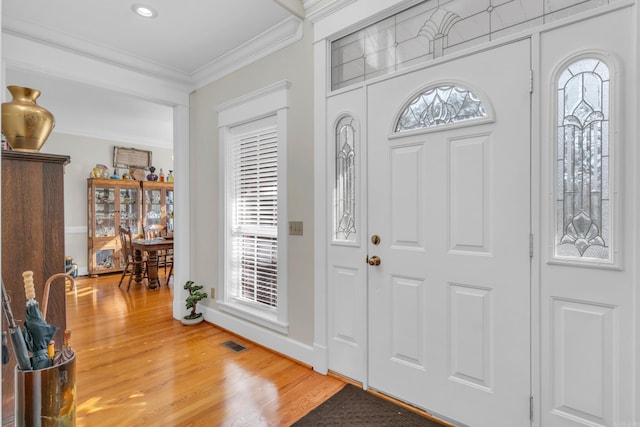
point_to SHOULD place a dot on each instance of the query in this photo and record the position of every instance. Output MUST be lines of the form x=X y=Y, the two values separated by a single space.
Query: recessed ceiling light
x=144 y=10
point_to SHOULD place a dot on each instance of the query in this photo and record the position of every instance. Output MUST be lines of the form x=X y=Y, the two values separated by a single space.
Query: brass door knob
x=374 y=260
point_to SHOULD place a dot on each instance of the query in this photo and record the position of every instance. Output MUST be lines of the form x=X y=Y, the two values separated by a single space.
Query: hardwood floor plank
x=137 y=366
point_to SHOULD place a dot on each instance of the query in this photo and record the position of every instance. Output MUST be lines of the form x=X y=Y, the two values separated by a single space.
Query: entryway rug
x=352 y=406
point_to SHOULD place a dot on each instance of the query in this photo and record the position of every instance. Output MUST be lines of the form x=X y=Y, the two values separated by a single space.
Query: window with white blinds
x=254 y=225
x=253 y=282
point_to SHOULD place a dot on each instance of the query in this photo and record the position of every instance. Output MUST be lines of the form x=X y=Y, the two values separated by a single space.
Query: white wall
x=295 y=64
x=85 y=154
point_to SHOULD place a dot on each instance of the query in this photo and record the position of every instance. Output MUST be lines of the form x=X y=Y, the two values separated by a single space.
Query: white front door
x=589 y=213
x=449 y=304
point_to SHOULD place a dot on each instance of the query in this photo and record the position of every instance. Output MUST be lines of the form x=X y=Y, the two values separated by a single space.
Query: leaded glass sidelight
x=345 y=184
x=441 y=105
x=583 y=224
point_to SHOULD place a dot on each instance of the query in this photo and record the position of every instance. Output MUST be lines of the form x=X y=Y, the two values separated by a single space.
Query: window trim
x=271 y=101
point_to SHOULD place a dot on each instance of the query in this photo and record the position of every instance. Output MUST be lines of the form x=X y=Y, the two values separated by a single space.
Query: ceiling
x=189 y=43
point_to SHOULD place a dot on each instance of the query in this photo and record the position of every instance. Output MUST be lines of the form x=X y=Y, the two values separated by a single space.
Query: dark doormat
x=353 y=406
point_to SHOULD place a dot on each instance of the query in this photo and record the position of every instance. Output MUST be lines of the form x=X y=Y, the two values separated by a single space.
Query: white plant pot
x=192 y=321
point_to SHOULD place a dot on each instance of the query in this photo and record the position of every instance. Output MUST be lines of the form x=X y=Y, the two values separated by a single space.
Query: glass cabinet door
x=129 y=209
x=112 y=204
x=169 y=201
x=105 y=206
x=105 y=259
x=153 y=206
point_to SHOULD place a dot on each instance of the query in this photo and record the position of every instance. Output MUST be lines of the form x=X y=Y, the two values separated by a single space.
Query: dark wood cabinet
x=32 y=239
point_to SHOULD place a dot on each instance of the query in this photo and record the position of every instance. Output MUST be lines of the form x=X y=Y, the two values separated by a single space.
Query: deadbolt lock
x=375 y=239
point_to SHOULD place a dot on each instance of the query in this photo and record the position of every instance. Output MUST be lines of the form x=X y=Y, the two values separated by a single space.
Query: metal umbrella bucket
x=46 y=397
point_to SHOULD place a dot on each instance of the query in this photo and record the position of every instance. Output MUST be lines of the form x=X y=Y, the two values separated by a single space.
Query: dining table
x=151 y=248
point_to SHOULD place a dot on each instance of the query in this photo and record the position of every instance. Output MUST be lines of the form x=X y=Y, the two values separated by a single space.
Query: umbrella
x=5 y=348
x=37 y=335
x=17 y=339
x=37 y=332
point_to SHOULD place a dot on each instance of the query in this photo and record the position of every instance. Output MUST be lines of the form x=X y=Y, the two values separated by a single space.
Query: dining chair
x=165 y=258
x=154 y=231
x=170 y=270
x=128 y=254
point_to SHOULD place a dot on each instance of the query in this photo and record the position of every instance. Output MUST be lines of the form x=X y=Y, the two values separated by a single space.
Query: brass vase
x=25 y=124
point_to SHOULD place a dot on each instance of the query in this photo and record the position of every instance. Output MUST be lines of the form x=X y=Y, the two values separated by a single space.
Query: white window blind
x=255 y=217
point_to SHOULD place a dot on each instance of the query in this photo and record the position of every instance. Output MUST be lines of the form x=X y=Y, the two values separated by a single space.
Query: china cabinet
x=157 y=204
x=32 y=239
x=112 y=203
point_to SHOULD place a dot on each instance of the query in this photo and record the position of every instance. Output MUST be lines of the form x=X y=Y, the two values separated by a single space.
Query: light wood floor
x=137 y=366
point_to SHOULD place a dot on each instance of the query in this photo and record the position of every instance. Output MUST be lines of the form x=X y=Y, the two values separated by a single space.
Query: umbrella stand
x=46 y=397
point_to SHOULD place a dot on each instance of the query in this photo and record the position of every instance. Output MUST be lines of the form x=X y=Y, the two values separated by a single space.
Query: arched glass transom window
x=438 y=106
x=583 y=210
x=345 y=184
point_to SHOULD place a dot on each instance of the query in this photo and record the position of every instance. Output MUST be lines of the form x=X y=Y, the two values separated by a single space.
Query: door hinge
x=530 y=408
x=530 y=81
x=530 y=245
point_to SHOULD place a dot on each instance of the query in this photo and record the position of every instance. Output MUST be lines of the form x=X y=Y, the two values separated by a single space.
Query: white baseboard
x=280 y=343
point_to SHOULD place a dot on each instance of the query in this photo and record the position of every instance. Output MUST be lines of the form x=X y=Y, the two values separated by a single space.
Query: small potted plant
x=195 y=295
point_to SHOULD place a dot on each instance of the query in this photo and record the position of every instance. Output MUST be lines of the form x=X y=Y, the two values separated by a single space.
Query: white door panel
x=449 y=326
x=347 y=273
x=587 y=310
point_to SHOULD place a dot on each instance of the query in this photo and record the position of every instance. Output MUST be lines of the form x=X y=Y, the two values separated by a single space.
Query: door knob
x=374 y=260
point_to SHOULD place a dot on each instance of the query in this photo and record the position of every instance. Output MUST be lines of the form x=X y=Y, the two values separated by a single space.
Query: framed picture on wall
x=124 y=157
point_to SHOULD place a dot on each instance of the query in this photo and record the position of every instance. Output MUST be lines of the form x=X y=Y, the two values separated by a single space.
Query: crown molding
x=19 y=53
x=275 y=38
x=294 y=7
x=306 y=4
x=45 y=36
x=327 y=10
